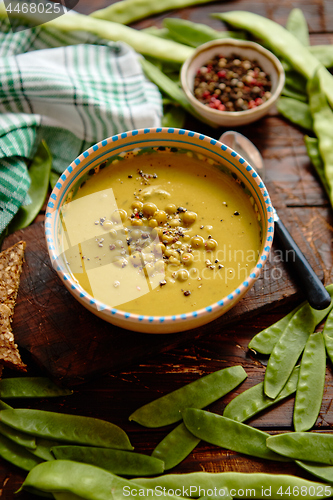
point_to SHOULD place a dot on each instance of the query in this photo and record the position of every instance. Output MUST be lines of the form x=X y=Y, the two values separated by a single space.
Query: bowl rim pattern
x=86 y=299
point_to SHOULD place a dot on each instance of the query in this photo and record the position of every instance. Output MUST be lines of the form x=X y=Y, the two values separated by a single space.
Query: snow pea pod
x=290 y=92
x=198 y=394
x=84 y=480
x=297 y=25
x=265 y=340
x=173 y=116
x=68 y=428
x=128 y=11
x=295 y=111
x=305 y=446
x=312 y=148
x=195 y=34
x=321 y=471
x=311 y=382
x=176 y=446
x=324 y=54
x=17 y=455
x=18 y=437
x=31 y=387
x=328 y=335
x=39 y=173
x=322 y=115
x=43 y=448
x=118 y=462
x=141 y=42
x=283 y=43
x=290 y=345
x=228 y=433
x=254 y=400
x=258 y=485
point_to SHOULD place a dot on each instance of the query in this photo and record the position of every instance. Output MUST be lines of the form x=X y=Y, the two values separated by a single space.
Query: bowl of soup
x=159 y=230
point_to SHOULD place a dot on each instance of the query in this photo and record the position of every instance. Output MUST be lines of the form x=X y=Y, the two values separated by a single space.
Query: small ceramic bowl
x=249 y=50
x=114 y=149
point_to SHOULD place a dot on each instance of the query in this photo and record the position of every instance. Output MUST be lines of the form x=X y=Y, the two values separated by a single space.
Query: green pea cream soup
x=159 y=233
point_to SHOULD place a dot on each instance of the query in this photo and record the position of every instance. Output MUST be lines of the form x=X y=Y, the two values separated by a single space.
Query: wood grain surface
x=133 y=369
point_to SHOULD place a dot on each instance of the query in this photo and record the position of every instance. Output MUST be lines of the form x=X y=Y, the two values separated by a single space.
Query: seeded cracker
x=11 y=261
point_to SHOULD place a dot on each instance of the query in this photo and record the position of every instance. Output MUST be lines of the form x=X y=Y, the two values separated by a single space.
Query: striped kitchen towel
x=72 y=90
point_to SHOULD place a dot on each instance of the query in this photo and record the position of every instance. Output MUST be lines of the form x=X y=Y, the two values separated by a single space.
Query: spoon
x=315 y=292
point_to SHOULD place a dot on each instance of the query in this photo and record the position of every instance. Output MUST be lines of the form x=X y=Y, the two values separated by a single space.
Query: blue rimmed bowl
x=133 y=141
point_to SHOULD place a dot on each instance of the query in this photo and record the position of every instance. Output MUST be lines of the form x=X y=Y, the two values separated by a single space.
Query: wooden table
x=297 y=193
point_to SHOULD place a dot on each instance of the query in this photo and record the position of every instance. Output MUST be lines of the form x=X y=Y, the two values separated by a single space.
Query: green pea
x=312 y=147
x=176 y=446
x=16 y=454
x=322 y=471
x=289 y=347
x=322 y=115
x=324 y=54
x=254 y=400
x=265 y=340
x=297 y=25
x=283 y=43
x=295 y=111
x=228 y=433
x=117 y=461
x=68 y=428
x=198 y=394
x=328 y=335
x=259 y=485
x=311 y=382
x=307 y=446
x=39 y=173
x=86 y=481
x=31 y=387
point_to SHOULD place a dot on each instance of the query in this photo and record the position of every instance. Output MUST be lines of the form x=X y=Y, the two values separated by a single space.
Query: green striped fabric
x=72 y=90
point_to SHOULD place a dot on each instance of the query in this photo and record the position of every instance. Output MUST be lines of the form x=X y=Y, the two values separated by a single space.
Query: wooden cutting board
x=72 y=344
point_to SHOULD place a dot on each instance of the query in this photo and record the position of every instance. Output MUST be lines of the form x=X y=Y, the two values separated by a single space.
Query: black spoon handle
x=315 y=292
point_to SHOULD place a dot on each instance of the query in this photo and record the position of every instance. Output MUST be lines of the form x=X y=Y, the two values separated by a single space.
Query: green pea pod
x=228 y=433
x=118 y=462
x=296 y=82
x=84 y=480
x=166 y=50
x=16 y=454
x=4 y=406
x=195 y=34
x=176 y=446
x=293 y=94
x=290 y=346
x=328 y=335
x=31 y=387
x=297 y=25
x=283 y=43
x=254 y=400
x=305 y=446
x=198 y=394
x=64 y=495
x=68 y=428
x=258 y=485
x=265 y=340
x=312 y=148
x=173 y=116
x=39 y=172
x=296 y=111
x=311 y=382
x=128 y=11
x=324 y=54
x=322 y=115
x=18 y=437
x=159 y=32
x=44 y=447
x=323 y=472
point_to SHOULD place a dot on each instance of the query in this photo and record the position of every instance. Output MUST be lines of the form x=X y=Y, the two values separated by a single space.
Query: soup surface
x=160 y=233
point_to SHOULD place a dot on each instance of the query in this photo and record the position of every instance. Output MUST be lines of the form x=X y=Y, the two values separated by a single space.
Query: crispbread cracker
x=11 y=262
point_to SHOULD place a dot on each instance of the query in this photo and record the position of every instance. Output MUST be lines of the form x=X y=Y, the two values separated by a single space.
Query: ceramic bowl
x=115 y=148
x=250 y=50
